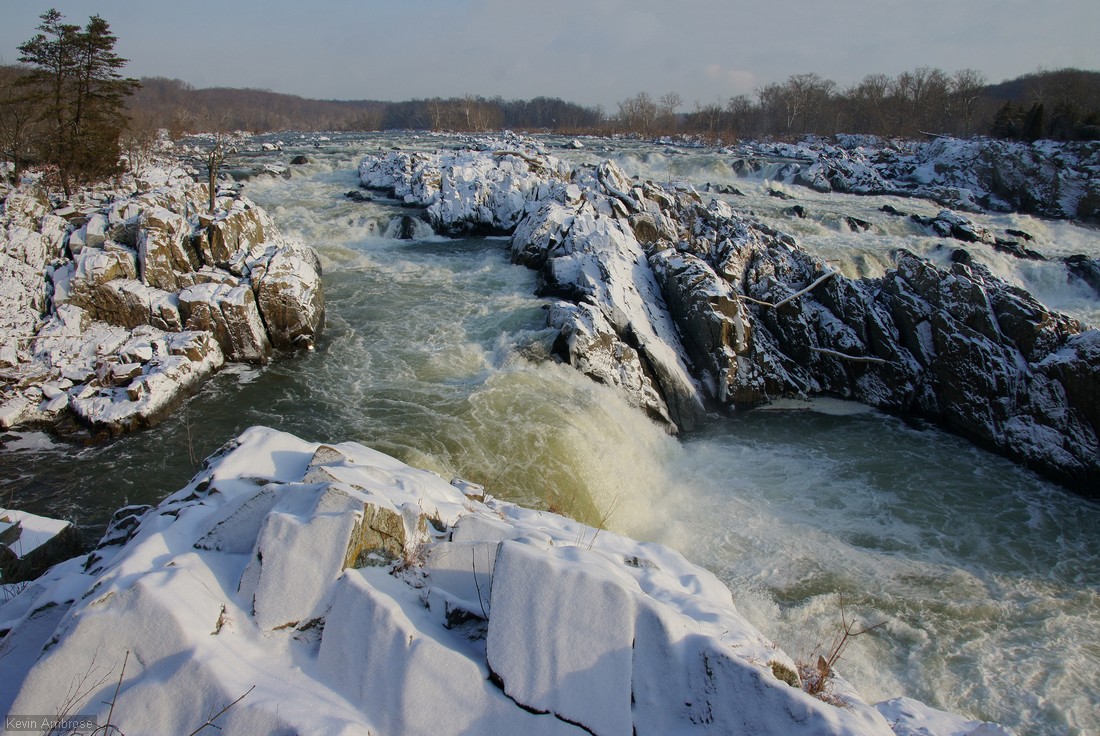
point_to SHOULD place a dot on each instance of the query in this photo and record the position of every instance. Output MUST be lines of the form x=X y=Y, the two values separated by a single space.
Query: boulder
x=231 y=233
x=164 y=249
x=561 y=635
x=589 y=343
x=229 y=313
x=290 y=298
x=1085 y=268
x=29 y=544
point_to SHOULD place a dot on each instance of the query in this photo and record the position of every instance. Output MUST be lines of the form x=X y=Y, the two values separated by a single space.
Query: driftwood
x=520 y=154
x=792 y=297
x=845 y=356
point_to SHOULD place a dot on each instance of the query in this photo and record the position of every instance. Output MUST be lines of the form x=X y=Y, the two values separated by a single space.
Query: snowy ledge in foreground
x=340 y=591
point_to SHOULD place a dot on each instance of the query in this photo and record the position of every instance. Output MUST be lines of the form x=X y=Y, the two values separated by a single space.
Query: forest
x=1062 y=104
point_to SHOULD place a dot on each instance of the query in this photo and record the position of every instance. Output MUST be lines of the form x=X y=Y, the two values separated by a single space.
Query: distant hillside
x=1062 y=104
x=181 y=108
x=1078 y=85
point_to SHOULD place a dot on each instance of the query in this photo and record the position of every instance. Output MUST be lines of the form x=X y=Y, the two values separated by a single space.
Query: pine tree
x=1006 y=123
x=1035 y=123
x=74 y=79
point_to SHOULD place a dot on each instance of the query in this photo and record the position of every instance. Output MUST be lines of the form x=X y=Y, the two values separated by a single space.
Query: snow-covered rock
x=196 y=288
x=684 y=305
x=29 y=544
x=1048 y=178
x=329 y=589
x=465 y=191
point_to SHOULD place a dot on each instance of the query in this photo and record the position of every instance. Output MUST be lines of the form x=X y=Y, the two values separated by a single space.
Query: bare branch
x=845 y=356
x=827 y=275
x=211 y=719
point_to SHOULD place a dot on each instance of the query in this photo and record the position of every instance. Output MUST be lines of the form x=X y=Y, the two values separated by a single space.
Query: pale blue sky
x=587 y=51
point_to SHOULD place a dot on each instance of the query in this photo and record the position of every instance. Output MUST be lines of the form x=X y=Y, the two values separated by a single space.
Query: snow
x=122 y=268
x=910 y=717
x=565 y=636
x=262 y=580
x=34 y=530
x=1046 y=177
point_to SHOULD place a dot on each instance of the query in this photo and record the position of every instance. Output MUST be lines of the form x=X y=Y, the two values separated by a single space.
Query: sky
x=593 y=52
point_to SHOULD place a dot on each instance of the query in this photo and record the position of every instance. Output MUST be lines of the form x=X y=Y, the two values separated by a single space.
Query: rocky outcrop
x=1047 y=178
x=958 y=346
x=465 y=193
x=30 y=544
x=345 y=592
x=197 y=289
x=686 y=306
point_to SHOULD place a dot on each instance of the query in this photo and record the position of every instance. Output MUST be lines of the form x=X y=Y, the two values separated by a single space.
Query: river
x=985 y=577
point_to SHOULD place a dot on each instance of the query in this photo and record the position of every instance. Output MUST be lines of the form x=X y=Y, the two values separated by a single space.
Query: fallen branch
x=792 y=297
x=845 y=356
x=106 y=727
x=211 y=719
x=520 y=154
x=627 y=200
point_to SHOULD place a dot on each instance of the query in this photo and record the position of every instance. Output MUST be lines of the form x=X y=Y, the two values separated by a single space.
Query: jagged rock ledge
x=331 y=589
x=1047 y=178
x=115 y=309
x=687 y=306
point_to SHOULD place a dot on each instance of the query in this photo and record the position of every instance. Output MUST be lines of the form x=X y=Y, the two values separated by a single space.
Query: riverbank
x=244 y=599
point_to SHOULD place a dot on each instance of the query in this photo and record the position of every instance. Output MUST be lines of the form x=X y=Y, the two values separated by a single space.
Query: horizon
x=592 y=55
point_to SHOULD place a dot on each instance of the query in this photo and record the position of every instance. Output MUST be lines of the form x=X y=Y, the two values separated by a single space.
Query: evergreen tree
x=1034 y=123
x=74 y=80
x=1006 y=122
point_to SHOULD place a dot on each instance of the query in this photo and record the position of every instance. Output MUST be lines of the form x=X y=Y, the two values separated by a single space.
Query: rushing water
x=985 y=577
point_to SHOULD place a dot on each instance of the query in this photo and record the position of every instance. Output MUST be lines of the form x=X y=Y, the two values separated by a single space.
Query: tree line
x=176 y=106
x=915 y=103
x=67 y=109
x=1063 y=104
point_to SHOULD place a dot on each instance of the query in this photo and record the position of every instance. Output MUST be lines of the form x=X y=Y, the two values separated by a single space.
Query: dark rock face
x=1085 y=268
x=687 y=307
x=960 y=346
x=757 y=319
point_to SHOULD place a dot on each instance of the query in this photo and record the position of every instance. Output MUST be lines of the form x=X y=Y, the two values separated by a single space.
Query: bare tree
x=967 y=89
x=638 y=113
x=666 y=111
x=19 y=128
x=796 y=105
x=925 y=93
x=869 y=104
